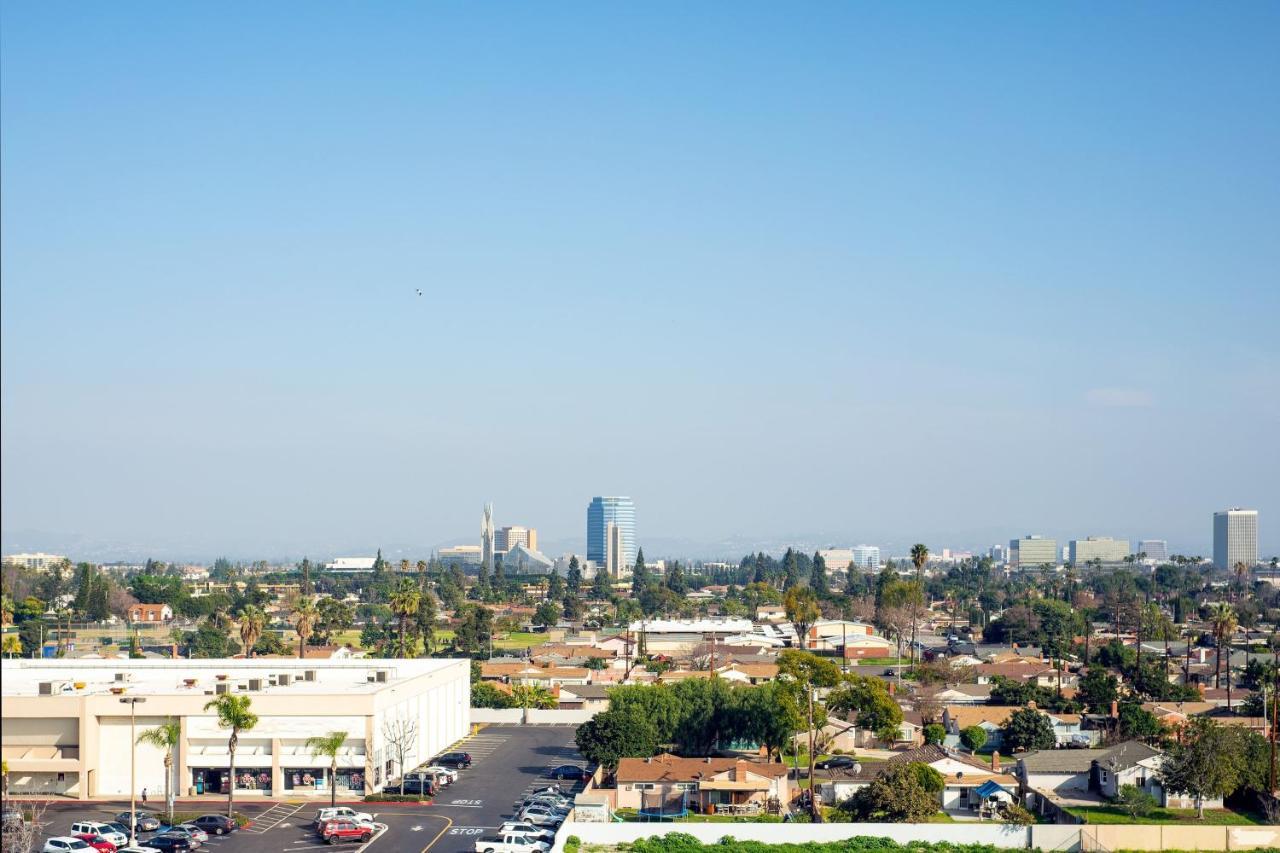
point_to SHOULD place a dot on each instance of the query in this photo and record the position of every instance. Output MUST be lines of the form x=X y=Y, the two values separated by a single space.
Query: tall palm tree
x=305 y=616
x=165 y=736
x=404 y=603
x=233 y=713
x=919 y=556
x=1242 y=578
x=252 y=622
x=328 y=746
x=1222 y=620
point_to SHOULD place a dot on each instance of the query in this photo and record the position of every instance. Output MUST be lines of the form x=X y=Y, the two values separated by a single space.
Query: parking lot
x=508 y=763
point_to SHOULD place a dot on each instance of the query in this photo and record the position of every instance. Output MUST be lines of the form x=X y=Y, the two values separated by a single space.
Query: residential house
x=962 y=776
x=961 y=694
x=771 y=612
x=749 y=673
x=1084 y=773
x=149 y=613
x=1067 y=728
x=585 y=697
x=698 y=784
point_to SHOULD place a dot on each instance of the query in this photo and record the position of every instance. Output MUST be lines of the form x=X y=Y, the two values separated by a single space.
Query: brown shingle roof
x=673 y=768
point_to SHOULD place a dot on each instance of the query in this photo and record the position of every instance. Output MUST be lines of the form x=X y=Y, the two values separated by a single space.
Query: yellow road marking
x=447 y=825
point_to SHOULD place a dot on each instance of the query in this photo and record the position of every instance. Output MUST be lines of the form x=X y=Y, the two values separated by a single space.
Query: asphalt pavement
x=508 y=763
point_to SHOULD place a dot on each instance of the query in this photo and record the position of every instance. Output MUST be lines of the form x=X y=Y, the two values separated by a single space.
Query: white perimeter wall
x=999 y=835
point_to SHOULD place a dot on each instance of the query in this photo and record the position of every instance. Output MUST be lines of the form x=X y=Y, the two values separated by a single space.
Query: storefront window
x=351 y=780
x=305 y=777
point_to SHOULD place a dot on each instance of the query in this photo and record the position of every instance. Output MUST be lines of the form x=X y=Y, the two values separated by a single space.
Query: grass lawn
x=516 y=640
x=889 y=661
x=1212 y=817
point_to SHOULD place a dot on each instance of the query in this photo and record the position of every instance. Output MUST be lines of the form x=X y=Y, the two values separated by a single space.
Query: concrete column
x=183 y=771
x=277 y=775
x=368 y=755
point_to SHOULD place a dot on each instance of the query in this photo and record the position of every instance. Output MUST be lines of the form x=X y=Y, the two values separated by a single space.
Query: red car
x=97 y=842
x=340 y=829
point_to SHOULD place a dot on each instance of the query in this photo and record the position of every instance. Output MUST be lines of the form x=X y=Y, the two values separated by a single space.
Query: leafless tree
x=23 y=835
x=400 y=735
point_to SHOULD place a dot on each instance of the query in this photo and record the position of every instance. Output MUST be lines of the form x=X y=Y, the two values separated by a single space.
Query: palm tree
x=252 y=621
x=305 y=616
x=6 y=610
x=234 y=714
x=1222 y=619
x=329 y=746
x=1242 y=578
x=919 y=556
x=404 y=603
x=165 y=736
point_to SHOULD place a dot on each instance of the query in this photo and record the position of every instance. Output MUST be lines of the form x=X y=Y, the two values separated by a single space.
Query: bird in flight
x=419 y=291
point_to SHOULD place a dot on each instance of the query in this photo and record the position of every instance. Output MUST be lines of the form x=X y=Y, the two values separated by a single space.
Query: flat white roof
x=687 y=626
x=168 y=676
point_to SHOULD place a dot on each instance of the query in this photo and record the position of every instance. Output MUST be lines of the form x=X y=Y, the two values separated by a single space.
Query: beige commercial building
x=1102 y=548
x=1032 y=551
x=66 y=730
x=507 y=538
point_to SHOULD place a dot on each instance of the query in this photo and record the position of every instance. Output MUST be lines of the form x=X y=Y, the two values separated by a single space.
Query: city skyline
x=853 y=272
x=660 y=546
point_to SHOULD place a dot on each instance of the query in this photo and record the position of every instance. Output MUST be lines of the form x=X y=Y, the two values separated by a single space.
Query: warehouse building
x=67 y=728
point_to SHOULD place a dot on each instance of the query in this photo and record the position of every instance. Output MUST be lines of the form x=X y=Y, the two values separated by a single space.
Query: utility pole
x=132 y=702
x=1275 y=707
x=813 y=793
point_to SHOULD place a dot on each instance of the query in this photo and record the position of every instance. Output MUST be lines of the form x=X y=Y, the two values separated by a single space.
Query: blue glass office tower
x=620 y=511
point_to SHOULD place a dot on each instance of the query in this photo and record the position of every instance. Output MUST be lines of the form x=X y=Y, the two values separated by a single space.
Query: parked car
x=167 y=842
x=120 y=827
x=196 y=833
x=540 y=815
x=444 y=774
x=455 y=759
x=520 y=827
x=97 y=842
x=193 y=843
x=215 y=824
x=569 y=771
x=421 y=784
x=146 y=821
x=141 y=848
x=557 y=803
x=340 y=829
x=509 y=843
x=94 y=827
x=63 y=844
x=836 y=762
x=341 y=813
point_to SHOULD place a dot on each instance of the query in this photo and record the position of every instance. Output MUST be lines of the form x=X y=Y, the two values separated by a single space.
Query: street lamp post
x=132 y=702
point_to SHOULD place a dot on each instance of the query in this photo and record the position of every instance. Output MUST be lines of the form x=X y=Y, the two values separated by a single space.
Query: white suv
x=342 y=813
x=63 y=844
x=92 y=827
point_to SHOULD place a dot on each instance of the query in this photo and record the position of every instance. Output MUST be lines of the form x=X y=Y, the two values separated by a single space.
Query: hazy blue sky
x=953 y=271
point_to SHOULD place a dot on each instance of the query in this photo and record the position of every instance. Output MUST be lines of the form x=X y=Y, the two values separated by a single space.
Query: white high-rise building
x=1157 y=550
x=866 y=556
x=507 y=538
x=615 y=551
x=1235 y=537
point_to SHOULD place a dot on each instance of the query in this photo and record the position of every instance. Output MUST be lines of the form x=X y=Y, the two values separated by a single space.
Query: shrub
x=572 y=843
x=395 y=798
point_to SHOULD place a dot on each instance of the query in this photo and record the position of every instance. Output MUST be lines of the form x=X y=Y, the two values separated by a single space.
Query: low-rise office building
x=67 y=731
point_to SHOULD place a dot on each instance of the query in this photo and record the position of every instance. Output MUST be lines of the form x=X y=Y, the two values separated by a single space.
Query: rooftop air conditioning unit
x=255 y=683
x=308 y=675
x=284 y=679
x=380 y=676
x=123 y=676
x=222 y=687
x=50 y=688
